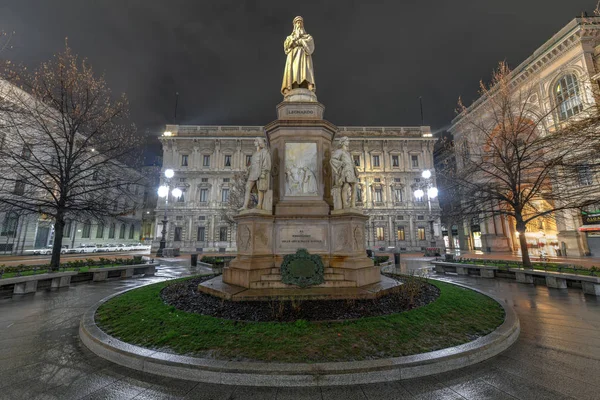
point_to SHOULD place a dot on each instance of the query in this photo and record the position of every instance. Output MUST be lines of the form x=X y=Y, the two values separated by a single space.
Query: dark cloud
x=373 y=59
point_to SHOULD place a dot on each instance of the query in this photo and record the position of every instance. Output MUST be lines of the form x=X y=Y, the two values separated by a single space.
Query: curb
x=297 y=374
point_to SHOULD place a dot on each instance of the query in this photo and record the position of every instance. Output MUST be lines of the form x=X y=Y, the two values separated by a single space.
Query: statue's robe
x=260 y=167
x=298 y=70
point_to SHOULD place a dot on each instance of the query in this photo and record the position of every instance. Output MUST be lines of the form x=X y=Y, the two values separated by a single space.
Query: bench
x=558 y=280
x=28 y=284
x=483 y=271
x=127 y=271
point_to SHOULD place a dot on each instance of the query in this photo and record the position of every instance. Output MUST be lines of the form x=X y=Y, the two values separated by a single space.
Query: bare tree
x=513 y=160
x=65 y=144
x=237 y=191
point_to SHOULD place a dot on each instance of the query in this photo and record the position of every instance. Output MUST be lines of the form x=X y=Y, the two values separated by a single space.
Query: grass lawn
x=458 y=316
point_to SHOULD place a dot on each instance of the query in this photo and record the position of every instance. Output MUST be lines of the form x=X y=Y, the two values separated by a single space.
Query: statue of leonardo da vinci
x=299 y=47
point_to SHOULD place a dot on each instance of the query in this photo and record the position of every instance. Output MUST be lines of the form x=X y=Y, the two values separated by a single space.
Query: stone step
x=277 y=277
x=281 y=285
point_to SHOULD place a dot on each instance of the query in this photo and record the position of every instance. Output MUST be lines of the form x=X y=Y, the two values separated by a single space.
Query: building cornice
x=571 y=35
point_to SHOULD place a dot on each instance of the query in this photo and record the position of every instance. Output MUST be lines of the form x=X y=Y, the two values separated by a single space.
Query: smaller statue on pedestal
x=259 y=174
x=344 y=176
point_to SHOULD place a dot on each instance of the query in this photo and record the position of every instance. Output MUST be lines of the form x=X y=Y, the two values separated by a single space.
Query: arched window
x=85 y=232
x=568 y=97
x=131 y=231
x=122 y=232
x=111 y=231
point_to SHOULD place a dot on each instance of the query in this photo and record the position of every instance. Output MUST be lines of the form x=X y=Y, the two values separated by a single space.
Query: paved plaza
x=556 y=357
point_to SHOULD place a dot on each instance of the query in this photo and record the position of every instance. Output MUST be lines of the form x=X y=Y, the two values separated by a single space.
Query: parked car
x=83 y=248
x=102 y=248
x=123 y=247
x=139 y=246
x=46 y=250
x=112 y=247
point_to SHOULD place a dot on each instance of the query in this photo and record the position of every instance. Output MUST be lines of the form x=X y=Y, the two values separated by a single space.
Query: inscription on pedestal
x=303 y=236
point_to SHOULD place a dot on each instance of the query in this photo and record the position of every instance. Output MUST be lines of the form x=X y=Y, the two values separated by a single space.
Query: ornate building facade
x=390 y=161
x=564 y=72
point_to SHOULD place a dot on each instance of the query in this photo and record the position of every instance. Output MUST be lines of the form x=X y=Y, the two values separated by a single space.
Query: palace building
x=390 y=161
x=564 y=72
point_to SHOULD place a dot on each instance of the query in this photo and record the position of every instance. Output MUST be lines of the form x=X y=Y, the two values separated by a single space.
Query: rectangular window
x=395 y=161
x=85 y=232
x=379 y=233
x=420 y=233
x=420 y=217
x=356 y=158
x=359 y=198
x=377 y=180
x=182 y=180
x=111 y=231
x=585 y=175
x=378 y=195
x=248 y=159
x=181 y=199
x=400 y=233
x=202 y=218
x=203 y=195
x=19 y=187
x=177 y=237
x=100 y=231
x=415 y=161
x=226 y=180
x=131 y=231
x=67 y=229
x=397 y=180
x=9 y=227
x=206 y=161
x=201 y=234
x=224 y=195
x=184 y=160
x=419 y=199
x=121 y=232
x=227 y=160
x=398 y=195
x=376 y=161
x=204 y=180
x=223 y=233
x=26 y=152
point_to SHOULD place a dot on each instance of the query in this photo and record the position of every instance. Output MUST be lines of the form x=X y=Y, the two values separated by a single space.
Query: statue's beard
x=299 y=32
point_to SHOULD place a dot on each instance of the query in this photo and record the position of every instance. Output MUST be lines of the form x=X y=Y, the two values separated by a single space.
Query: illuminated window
x=420 y=233
x=568 y=98
x=400 y=233
x=379 y=233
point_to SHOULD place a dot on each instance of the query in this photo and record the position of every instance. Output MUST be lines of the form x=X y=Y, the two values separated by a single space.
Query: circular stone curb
x=255 y=373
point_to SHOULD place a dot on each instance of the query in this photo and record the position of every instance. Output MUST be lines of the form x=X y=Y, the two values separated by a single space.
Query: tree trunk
x=523 y=243
x=59 y=226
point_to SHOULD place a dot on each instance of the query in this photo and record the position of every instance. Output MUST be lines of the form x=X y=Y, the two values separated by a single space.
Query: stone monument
x=312 y=228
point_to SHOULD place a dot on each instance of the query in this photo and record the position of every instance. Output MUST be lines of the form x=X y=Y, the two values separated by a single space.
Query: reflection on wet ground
x=556 y=357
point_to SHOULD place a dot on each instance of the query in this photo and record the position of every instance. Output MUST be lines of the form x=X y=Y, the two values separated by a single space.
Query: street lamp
x=163 y=191
x=432 y=193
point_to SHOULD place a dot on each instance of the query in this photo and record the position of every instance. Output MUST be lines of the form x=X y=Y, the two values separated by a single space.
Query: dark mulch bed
x=185 y=296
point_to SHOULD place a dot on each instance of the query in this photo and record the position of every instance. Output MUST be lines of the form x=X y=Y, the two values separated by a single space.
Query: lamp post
x=432 y=193
x=163 y=191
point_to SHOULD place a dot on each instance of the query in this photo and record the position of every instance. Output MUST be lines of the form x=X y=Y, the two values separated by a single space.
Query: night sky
x=373 y=59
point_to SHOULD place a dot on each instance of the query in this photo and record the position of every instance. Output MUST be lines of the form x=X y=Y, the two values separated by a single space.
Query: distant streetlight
x=163 y=191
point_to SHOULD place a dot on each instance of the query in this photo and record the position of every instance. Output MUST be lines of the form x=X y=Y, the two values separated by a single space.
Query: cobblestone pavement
x=556 y=357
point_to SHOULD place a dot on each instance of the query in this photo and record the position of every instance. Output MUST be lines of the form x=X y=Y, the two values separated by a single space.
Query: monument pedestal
x=300 y=142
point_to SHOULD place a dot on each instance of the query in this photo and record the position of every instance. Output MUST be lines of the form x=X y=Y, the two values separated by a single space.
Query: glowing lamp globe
x=426 y=174
x=419 y=193
x=432 y=193
x=163 y=191
x=177 y=192
x=169 y=173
